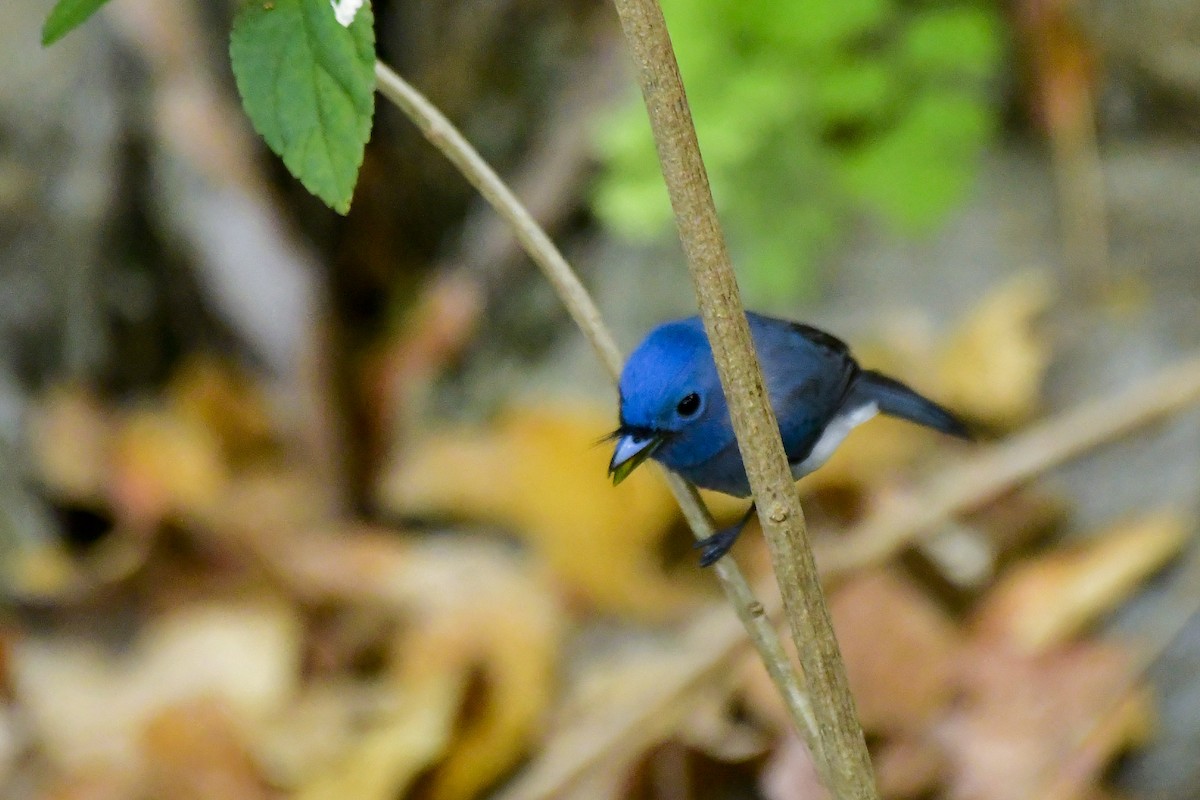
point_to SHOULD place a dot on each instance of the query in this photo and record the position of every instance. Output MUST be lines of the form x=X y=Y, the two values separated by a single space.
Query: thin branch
x=709 y=650
x=993 y=471
x=443 y=135
x=1056 y=440
x=847 y=769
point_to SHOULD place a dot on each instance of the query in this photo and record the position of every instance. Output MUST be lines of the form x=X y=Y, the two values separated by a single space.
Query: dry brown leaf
x=760 y=694
x=967 y=554
x=909 y=767
x=475 y=612
x=610 y=783
x=790 y=774
x=42 y=571
x=396 y=747
x=195 y=751
x=266 y=508
x=992 y=367
x=12 y=744
x=1020 y=717
x=606 y=696
x=317 y=727
x=1126 y=724
x=1019 y=519
x=165 y=464
x=220 y=398
x=69 y=436
x=711 y=729
x=900 y=651
x=95 y=783
x=485 y=616
x=87 y=705
x=538 y=473
x=1044 y=601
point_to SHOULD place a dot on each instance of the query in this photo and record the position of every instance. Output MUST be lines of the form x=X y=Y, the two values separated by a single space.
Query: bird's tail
x=895 y=399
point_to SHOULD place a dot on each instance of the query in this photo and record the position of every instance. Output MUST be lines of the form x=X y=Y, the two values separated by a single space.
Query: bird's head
x=672 y=407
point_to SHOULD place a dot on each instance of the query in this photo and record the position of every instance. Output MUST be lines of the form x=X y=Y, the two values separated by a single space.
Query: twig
x=1082 y=202
x=1062 y=66
x=615 y=733
x=1019 y=459
x=840 y=744
x=443 y=135
x=992 y=472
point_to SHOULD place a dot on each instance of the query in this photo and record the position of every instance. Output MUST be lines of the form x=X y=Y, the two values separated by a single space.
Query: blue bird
x=672 y=408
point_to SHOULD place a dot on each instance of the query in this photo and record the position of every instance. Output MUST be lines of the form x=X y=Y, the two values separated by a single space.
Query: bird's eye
x=689 y=405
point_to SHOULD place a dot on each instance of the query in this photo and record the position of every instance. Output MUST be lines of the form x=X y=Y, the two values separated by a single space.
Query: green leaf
x=964 y=41
x=66 y=16
x=917 y=171
x=812 y=25
x=809 y=113
x=856 y=90
x=308 y=85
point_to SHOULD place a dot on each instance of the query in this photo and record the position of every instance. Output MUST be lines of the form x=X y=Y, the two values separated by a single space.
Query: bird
x=672 y=408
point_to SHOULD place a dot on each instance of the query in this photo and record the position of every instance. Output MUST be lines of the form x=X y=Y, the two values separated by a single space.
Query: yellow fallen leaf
x=1047 y=600
x=87 y=705
x=475 y=613
x=42 y=570
x=992 y=367
x=511 y=649
x=195 y=751
x=395 y=748
x=68 y=442
x=165 y=464
x=218 y=397
x=92 y=783
x=537 y=472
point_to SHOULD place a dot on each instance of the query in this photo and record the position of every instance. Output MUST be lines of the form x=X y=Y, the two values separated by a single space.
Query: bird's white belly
x=835 y=432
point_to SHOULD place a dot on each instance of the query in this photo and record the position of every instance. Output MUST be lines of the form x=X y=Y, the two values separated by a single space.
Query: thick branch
x=443 y=135
x=848 y=773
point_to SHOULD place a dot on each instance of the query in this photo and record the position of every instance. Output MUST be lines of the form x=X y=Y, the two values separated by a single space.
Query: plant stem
x=446 y=138
x=848 y=771
x=443 y=135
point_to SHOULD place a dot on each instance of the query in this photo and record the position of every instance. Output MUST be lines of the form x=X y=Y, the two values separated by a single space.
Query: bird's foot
x=713 y=548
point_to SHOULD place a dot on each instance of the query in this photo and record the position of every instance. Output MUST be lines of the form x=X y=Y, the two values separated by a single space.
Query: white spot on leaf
x=346 y=10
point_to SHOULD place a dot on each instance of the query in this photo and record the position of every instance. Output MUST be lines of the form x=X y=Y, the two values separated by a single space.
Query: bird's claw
x=713 y=548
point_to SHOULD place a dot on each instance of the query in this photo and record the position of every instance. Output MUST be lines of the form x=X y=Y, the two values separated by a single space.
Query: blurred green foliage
x=810 y=112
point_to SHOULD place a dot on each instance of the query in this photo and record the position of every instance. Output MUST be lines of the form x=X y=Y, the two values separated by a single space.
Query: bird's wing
x=809 y=374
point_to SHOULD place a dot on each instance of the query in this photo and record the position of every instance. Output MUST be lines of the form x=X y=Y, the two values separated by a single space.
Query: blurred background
x=293 y=504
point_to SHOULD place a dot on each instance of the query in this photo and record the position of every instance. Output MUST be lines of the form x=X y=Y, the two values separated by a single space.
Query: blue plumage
x=673 y=410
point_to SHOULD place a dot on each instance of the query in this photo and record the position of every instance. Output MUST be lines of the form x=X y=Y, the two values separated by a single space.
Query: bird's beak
x=632 y=449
